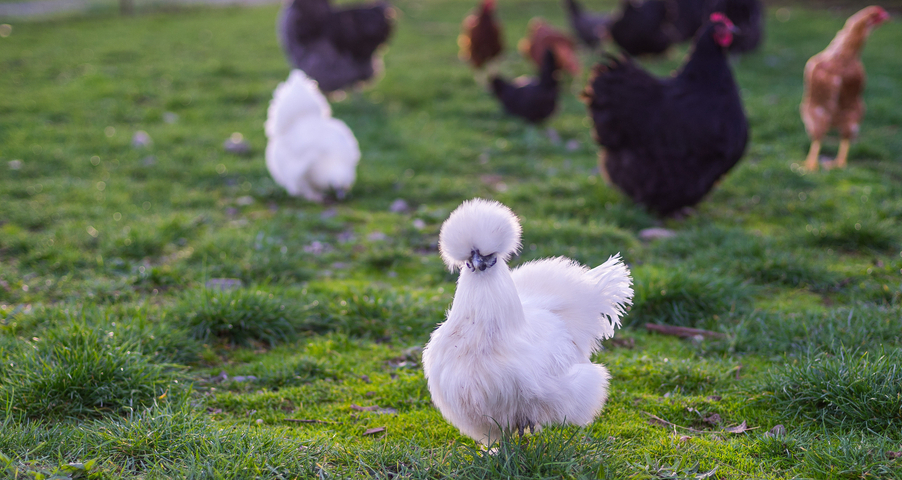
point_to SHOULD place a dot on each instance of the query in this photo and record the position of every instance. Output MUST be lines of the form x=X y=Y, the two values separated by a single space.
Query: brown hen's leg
x=843 y=154
x=811 y=161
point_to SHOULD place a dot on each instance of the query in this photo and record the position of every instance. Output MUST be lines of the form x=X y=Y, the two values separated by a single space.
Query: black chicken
x=652 y=26
x=667 y=141
x=591 y=28
x=530 y=98
x=334 y=46
x=643 y=27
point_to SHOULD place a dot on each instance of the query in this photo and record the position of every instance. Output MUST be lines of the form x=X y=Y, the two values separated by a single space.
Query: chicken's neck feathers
x=707 y=65
x=848 y=42
x=485 y=305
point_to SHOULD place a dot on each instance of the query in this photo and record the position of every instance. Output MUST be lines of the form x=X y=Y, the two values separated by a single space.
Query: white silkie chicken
x=308 y=153
x=514 y=352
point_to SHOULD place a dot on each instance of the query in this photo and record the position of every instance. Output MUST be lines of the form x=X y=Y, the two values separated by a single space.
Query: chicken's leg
x=843 y=154
x=811 y=161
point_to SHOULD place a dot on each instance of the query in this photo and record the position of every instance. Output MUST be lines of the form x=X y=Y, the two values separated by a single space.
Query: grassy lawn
x=119 y=357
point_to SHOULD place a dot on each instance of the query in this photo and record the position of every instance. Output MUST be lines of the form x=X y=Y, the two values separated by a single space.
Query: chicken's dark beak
x=480 y=262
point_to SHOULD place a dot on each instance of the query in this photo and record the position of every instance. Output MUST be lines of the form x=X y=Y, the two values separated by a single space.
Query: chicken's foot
x=842 y=155
x=521 y=429
x=811 y=161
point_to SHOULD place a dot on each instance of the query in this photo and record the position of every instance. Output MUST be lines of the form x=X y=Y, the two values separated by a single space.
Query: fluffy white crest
x=479 y=225
x=297 y=97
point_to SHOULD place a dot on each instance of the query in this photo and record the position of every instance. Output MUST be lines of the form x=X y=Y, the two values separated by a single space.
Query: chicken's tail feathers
x=548 y=69
x=608 y=63
x=613 y=281
x=498 y=84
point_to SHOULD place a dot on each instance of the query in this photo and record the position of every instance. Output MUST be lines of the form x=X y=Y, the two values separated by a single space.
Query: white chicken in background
x=514 y=352
x=308 y=153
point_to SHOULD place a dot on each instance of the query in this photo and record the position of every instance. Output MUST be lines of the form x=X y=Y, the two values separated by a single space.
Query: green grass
x=110 y=257
x=853 y=389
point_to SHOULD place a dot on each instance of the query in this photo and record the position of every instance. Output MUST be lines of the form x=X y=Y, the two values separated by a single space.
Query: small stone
x=15 y=164
x=714 y=419
x=399 y=206
x=141 y=139
x=237 y=144
x=346 y=236
x=655 y=233
x=316 y=247
x=223 y=284
x=572 y=145
x=170 y=117
x=419 y=224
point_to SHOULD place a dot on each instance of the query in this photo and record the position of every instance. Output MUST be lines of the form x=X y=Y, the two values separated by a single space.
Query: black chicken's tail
x=548 y=69
x=499 y=85
x=574 y=8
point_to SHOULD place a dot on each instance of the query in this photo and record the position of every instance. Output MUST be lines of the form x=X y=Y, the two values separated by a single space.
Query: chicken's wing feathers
x=589 y=302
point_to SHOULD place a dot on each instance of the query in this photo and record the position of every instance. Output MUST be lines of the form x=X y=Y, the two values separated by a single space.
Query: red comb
x=718 y=17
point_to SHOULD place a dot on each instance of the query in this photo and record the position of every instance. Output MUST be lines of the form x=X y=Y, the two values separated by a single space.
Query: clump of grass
x=242 y=316
x=855 y=233
x=587 y=242
x=681 y=468
x=276 y=373
x=853 y=389
x=161 y=342
x=164 y=440
x=864 y=326
x=850 y=456
x=785 y=268
x=556 y=452
x=14 y=469
x=384 y=314
x=683 y=298
x=689 y=377
x=79 y=371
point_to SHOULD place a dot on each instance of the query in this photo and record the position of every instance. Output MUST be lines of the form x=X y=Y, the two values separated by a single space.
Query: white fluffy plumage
x=514 y=352
x=308 y=152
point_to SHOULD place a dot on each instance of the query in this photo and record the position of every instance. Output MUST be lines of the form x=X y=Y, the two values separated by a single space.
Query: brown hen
x=480 y=37
x=834 y=80
x=543 y=36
